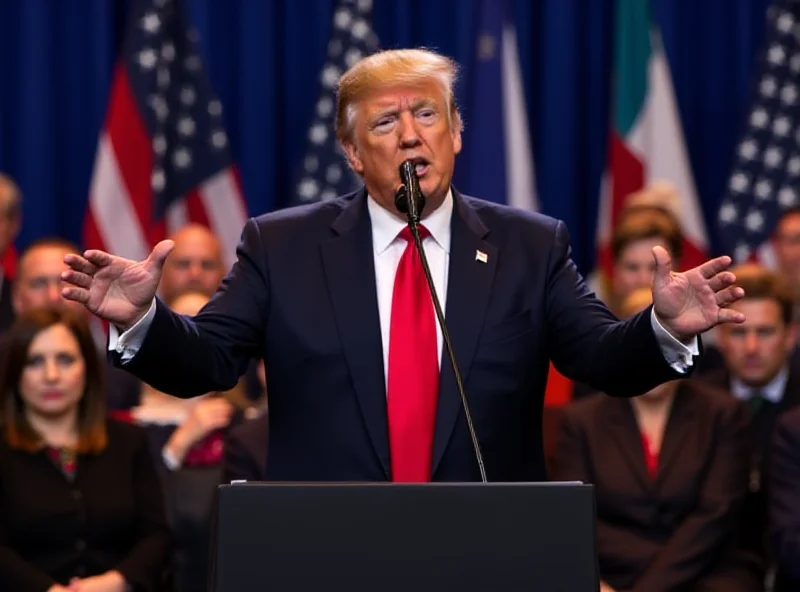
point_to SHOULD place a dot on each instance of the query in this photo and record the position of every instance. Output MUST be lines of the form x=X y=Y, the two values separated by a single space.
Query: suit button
x=77 y=495
x=80 y=545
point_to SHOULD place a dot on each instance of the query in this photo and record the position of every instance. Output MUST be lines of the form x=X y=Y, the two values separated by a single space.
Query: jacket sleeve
x=187 y=357
x=784 y=488
x=587 y=343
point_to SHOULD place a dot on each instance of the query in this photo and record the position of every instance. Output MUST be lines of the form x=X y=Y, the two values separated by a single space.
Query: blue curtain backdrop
x=264 y=58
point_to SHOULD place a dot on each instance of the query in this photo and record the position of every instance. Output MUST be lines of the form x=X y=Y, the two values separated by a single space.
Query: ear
x=456 y=134
x=791 y=337
x=351 y=152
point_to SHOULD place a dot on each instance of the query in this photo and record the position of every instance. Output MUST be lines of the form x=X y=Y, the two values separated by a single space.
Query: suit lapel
x=350 y=272
x=627 y=438
x=468 y=288
x=678 y=429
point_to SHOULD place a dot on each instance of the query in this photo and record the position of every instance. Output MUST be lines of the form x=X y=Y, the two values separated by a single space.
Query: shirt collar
x=386 y=225
x=772 y=391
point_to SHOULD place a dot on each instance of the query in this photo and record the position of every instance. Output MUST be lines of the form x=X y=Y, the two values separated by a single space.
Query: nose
x=51 y=373
x=751 y=343
x=407 y=128
x=54 y=292
x=644 y=278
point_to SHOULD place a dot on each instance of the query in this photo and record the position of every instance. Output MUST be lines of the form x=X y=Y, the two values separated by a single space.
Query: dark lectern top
x=391 y=537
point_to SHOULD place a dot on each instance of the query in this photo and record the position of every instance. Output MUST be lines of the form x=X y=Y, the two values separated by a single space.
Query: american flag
x=765 y=178
x=324 y=173
x=163 y=157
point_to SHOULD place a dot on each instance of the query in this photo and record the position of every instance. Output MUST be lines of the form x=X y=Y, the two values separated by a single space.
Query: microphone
x=410 y=201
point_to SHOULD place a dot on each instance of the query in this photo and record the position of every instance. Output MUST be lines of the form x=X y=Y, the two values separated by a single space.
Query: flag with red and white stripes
x=163 y=158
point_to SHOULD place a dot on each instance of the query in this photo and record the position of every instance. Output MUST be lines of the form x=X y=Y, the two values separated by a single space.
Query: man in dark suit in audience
x=334 y=298
x=761 y=372
x=784 y=501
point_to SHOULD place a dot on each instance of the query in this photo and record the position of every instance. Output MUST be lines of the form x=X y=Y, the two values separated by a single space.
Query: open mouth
x=420 y=166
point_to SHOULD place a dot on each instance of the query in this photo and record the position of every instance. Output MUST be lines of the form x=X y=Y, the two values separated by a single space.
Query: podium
x=386 y=537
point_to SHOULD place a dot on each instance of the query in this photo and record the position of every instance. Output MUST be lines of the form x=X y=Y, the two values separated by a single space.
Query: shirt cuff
x=128 y=343
x=678 y=355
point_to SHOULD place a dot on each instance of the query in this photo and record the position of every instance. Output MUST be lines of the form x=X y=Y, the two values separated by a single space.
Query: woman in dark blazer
x=81 y=507
x=670 y=473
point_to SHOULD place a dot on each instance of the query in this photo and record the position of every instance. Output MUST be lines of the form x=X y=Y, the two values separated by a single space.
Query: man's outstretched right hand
x=117 y=290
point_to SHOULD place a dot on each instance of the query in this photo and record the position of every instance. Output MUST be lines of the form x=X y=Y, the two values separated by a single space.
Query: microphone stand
x=407 y=204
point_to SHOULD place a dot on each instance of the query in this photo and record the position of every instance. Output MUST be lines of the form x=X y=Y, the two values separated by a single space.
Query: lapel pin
x=481 y=256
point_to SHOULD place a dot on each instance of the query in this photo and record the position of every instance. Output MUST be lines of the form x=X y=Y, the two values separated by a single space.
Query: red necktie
x=413 y=369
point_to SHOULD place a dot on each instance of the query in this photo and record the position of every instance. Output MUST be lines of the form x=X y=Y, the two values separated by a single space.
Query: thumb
x=663 y=264
x=159 y=254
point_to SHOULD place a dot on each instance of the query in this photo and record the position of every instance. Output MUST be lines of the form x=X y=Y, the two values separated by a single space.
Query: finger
x=77 y=294
x=728 y=315
x=711 y=268
x=721 y=281
x=78 y=279
x=160 y=253
x=663 y=262
x=78 y=263
x=729 y=296
x=98 y=258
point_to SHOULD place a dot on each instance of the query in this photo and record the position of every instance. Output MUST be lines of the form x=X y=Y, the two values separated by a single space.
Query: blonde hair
x=393 y=68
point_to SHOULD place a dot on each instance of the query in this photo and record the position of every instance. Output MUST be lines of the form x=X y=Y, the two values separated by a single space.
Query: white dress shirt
x=387 y=250
x=772 y=391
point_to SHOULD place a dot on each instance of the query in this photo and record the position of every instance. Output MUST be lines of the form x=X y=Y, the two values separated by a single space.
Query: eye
x=383 y=125
x=65 y=359
x=427 y=115
x=34 y=361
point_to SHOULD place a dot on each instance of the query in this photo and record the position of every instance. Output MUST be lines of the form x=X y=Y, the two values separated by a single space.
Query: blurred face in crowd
x=38 y=283
x=194 y=265
x=10 y=217
x=54 y=378
x=786 y=243
x=396 y=124
x=757 y=349
x=635 y=267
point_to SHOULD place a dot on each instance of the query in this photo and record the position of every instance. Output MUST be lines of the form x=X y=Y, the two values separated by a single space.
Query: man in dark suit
x=761 y=371
x=334 y=297
x=784 y=508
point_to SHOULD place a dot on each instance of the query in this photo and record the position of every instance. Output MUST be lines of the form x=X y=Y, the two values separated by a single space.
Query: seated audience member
x=639 y=229
x=784 y=501
x=245 y=449
x=786 y=245
x=670 y=472
x=38 y=284
x=760 y=371
x=81 y=508
x=194 y=265
x=10 y=223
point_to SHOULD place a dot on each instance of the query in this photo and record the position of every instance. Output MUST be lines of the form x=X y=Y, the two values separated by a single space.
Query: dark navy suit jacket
x=784 y=509
x=303 y=295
